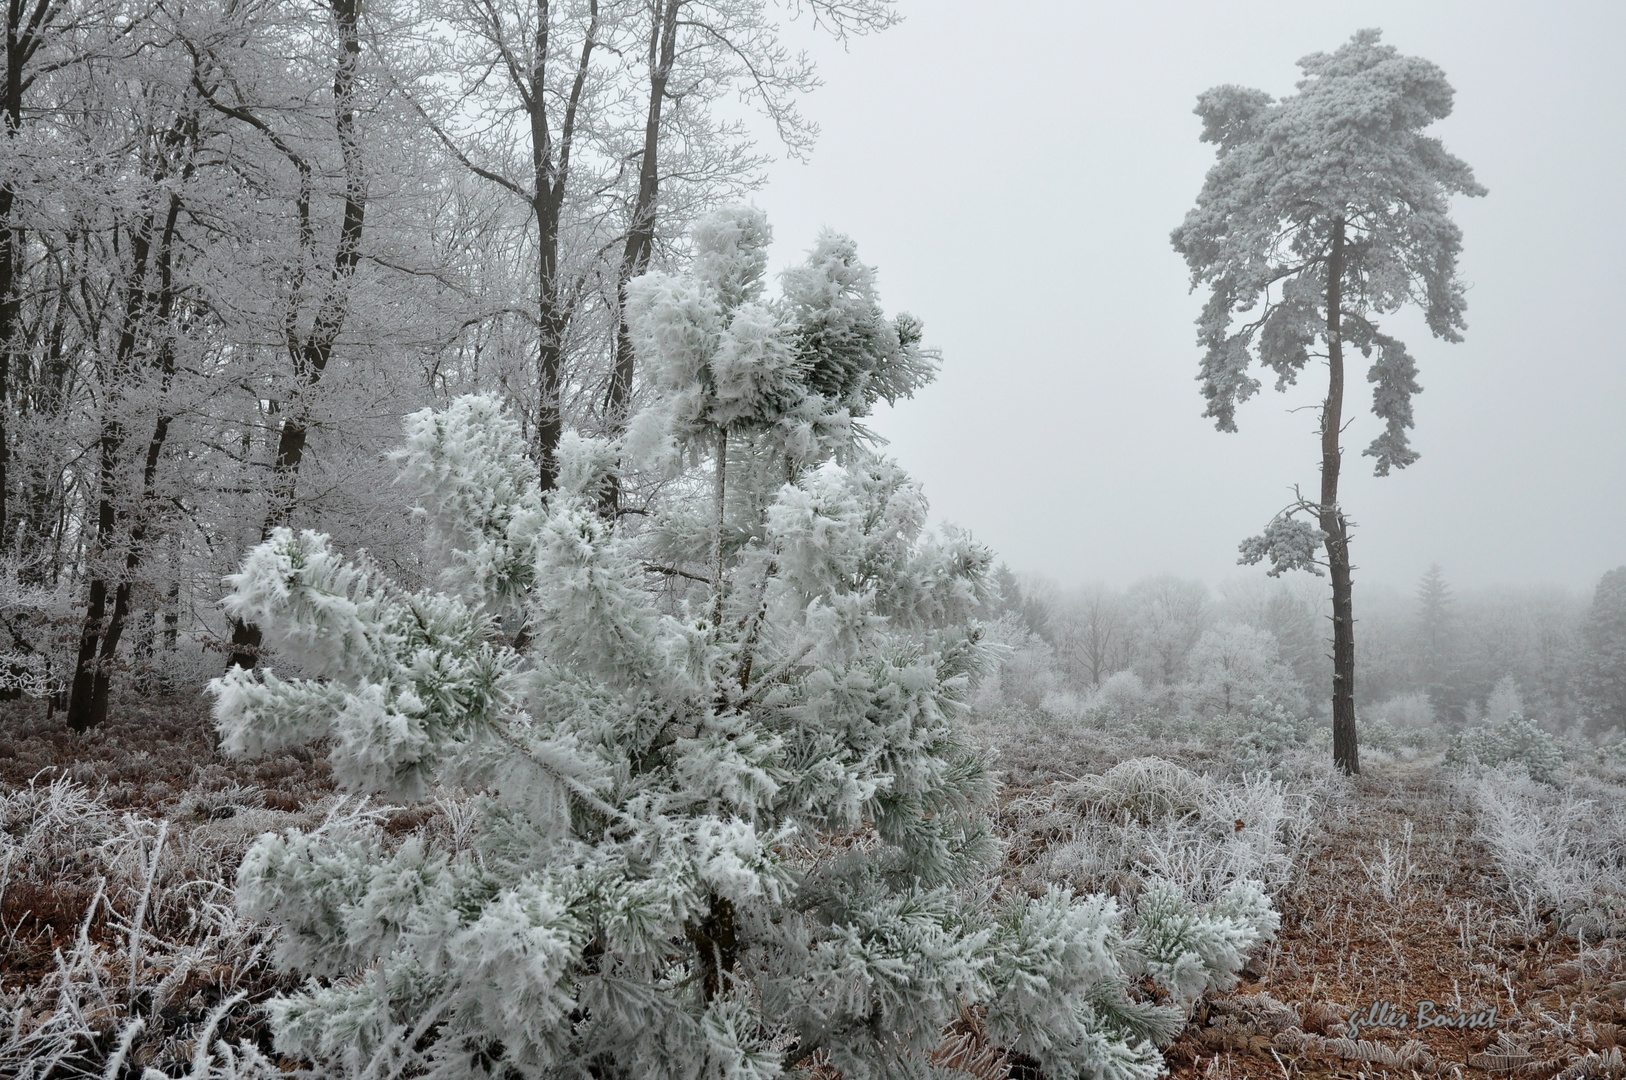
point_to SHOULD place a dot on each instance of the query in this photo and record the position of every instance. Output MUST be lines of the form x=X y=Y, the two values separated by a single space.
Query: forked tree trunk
x=151 y=311
x=1345 y=750
x=550 y=166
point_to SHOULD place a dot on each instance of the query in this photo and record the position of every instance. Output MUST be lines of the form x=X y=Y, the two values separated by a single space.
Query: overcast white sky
x=1014 y=170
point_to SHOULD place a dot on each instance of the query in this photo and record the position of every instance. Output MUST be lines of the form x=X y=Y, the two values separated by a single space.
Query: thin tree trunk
x=87 y=671
x=550 y=179
x=10 y=297
x=135 y=552
x=1345 y=750
x=99 y=641
x=10 y=309
x=25 y=34
x=641 y=232
x=721 y=493
x=312 y=356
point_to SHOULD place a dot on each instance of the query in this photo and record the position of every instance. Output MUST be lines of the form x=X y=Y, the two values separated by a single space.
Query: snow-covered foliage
x=1346 y=156
x=1559 y=849
x=1264 y=735
x=147 y=968
x=1064 y=967
x=1514 y=741
x=718 y=824
x=803 y=367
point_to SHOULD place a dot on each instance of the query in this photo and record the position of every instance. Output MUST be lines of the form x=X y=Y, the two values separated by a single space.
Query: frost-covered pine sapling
x=713 y=833
x=788 y=376
x=1326 y=209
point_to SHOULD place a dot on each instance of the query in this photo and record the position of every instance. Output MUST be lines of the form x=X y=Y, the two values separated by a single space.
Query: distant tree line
x=1439 y=657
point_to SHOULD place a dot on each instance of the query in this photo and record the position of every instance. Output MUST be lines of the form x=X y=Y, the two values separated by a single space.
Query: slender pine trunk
x=1345 y=750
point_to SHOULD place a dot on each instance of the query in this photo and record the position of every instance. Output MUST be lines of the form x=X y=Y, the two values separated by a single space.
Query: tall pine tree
x=1325 y=211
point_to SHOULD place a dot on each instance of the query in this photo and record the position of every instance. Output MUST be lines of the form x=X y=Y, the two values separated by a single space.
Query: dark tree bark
x=550 y=166
x=641 y=230
x=545 y=193
x=148 y=309
x=311 y=356
x=1345 y=751
x=718 y=948
x=25 y=33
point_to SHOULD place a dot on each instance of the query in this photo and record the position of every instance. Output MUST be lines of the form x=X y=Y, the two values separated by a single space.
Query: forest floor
x=1395 y=903
x=1399 y=904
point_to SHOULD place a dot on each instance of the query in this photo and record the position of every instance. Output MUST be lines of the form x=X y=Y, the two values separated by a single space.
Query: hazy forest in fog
x=1431 y=661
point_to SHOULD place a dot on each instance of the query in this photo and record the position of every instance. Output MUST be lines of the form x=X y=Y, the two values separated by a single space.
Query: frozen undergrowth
x=1148 y=818
x=122 y=951
x=125 y=955
x=1561 y=850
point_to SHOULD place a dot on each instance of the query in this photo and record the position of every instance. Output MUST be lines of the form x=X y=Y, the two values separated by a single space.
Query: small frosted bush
x=1556 y=849
x=1267 y=733
x=1143 y=789
x=1066 y=968
x=1514 y=741
x=1380 y=734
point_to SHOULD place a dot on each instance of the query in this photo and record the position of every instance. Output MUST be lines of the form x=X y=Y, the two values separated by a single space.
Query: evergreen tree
x=719 y=823
x=1438 y=648
x=1601 y=671
x=1324 y=211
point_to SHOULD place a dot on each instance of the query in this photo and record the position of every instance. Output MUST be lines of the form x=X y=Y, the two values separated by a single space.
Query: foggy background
x=1015 y=170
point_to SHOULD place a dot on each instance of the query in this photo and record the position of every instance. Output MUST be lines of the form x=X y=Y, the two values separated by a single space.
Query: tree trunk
x=550 y=177
x=718 y=948
x=10 y=306
x=641 y=231
x=1345 y=750
x=25 y=34
x=311 y=358
x=19 y=43
x=720 y=493
x=99 y=641
x=88 y=670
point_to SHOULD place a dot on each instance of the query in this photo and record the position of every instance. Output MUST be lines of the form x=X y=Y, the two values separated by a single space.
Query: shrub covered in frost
x=724 y=818
x=1514 y=741
x=1143 y=789
x=1268 y=732
x=1063 y=971
x=1560 y=850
